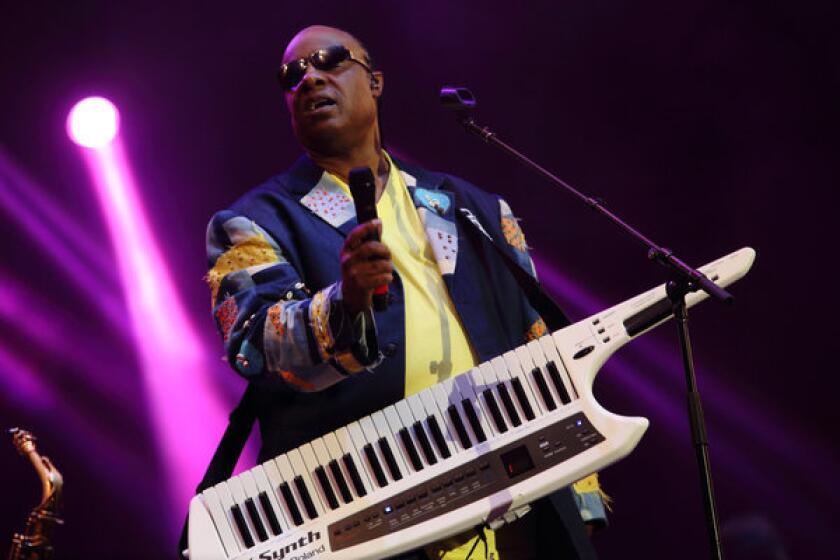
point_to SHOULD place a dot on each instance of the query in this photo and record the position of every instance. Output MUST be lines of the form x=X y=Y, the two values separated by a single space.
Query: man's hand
x=365 y=265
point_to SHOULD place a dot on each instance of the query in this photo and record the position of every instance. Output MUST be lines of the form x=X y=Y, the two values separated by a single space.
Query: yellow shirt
x=436 y=345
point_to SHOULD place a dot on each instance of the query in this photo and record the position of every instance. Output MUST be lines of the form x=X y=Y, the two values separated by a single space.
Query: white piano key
x=284 y=467
x=405 y=420
x=352 y=440
x=300 y=469
x=333 y=449
x=290 y=472
x=517 y=370
x=265 y=483
x=526 y=360
x=334 y=445
x=221 y=520
x=415 y=406
x=312 y=463
x=384 y=430
x=550 y=350
x=453 y=396
x=407 y=413
x=319 y=446
x=237 y=490
x=488 y=372
x=249 y=484
x=372 y=438
x=436 y=402
x=368 y=429
x=465 y=385
x=488 y=375
x=479 y=384
x=503 y=374
x=227 y=501
x=323 y=457
x=535 y=348
x=395 y=423
x=275 y=479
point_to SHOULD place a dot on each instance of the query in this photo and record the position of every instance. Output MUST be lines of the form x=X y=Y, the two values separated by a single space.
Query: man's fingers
x=362 y=232
x=371 y=282
x=372 y=250
x=361 y=271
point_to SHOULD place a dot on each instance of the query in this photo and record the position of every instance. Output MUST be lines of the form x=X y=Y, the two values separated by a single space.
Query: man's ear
x=377 y=81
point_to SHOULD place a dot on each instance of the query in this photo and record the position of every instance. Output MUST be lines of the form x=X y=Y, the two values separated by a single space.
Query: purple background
x=712 y=125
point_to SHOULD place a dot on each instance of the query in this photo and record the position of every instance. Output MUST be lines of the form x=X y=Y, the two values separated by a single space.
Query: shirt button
x=390 y=349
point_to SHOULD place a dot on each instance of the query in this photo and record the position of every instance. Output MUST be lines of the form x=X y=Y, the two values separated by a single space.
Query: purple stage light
x=93 y=122
x=63 y=237
x=186 y=409
x=20 y=383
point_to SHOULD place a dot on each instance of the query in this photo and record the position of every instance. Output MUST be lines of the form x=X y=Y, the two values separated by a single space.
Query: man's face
x=331 y=110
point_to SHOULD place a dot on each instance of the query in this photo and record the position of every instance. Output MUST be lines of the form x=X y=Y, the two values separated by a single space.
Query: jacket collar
x=320 y=194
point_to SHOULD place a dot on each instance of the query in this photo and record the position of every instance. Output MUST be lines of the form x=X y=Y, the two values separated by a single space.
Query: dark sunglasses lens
x=292 y=73
x=329 y=58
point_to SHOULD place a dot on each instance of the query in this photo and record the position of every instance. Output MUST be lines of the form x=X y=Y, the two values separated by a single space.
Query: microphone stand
x=682 y=280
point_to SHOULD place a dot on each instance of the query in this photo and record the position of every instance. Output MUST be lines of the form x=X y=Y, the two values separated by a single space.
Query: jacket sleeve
x=275 y=331
x=591 y=500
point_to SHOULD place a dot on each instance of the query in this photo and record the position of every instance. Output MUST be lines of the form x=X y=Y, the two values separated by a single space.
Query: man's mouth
x=318 y=103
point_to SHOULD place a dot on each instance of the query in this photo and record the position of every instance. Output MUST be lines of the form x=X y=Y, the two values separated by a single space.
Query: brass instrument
x=35 y=543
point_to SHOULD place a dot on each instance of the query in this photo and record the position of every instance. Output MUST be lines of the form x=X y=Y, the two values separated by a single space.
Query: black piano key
x=495 y=411
x=472 y=417
x=390 y=460
x=437 y=435
x=322 y=477
x=270 y=514
x=308 y=504
x=411 y=450
x=350 y=464
x=286 y=492
x=558 y=382
x=460 y=429
x=239 y=519
x=507 y=402
x=378 y=473
x=522 y=397
x=251 y=508
x=546 y=394
x=343 y=489
x=425 y=444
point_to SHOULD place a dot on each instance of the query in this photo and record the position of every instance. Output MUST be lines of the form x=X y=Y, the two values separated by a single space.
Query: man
x=292 y=276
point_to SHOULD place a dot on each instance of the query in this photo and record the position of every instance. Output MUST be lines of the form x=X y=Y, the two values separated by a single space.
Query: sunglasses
x=292 y=73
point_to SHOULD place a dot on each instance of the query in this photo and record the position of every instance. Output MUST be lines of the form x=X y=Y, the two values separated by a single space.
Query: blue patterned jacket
x=274 y=276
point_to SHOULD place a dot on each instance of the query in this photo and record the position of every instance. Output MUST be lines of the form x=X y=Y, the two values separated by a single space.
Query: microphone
x=363 y=188
x=457 y=99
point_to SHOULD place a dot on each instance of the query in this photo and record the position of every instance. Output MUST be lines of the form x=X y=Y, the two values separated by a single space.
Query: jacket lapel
x=318 y=192
x=436 y=208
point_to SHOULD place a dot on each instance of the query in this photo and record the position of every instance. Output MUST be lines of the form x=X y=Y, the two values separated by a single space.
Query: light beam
x=187 y=412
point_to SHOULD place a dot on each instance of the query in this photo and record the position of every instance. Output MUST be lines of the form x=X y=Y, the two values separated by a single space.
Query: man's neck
x=341 y=165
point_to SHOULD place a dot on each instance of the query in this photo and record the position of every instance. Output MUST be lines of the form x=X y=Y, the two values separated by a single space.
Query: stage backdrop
x=711 y=125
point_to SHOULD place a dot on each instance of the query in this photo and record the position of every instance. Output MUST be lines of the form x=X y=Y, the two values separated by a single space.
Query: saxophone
x=35 y=543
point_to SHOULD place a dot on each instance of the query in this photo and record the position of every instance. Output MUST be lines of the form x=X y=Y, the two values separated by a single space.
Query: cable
x=479 y=530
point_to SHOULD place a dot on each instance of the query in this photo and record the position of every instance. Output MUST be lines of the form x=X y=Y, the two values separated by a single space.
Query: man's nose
x=311 y=77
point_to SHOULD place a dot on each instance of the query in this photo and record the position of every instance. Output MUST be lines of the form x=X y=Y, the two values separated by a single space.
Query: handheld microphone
x=363 y=188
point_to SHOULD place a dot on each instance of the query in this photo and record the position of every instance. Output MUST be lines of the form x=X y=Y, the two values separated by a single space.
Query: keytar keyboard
x=473 y=448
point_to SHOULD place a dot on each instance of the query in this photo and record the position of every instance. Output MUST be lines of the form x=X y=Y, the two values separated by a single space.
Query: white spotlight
x=93 y=122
